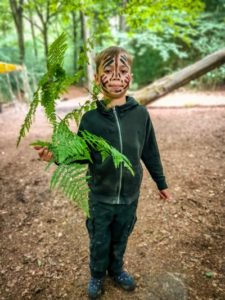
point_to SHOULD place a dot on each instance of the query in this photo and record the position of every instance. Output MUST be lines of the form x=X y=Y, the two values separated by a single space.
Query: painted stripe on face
x=108 y=61
x=116 y=67
x=117 y=64
x=104 y=80
x=123 y=62
x=127 y=80
x=124 y=57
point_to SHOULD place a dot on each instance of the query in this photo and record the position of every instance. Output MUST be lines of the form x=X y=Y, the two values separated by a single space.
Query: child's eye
x=124 y=71
x=107 y=71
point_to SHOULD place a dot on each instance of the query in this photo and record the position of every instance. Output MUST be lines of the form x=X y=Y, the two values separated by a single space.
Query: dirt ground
x=44 y=243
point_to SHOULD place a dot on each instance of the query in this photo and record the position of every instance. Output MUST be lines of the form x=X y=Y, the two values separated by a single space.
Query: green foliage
x=76 y=114
x=163 y=35
x=29 y=117
x=6 y=21
x=157 y=15
x=68 y=148
x=152 y=54
x=208 y=38
x=4 y=89
x=72 y=181
x=100 y=145
x=209 y=35
x=53 y=82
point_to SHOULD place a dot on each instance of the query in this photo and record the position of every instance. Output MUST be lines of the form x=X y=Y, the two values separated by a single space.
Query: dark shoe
x=125 y=281
x=95 y=288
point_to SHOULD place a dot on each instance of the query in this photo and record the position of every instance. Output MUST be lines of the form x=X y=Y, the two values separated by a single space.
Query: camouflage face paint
x=115 y=75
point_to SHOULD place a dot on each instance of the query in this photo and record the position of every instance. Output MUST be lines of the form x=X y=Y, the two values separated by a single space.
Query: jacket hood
x=130 y=104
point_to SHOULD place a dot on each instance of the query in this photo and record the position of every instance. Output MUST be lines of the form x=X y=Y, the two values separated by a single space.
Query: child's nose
x=116 y=76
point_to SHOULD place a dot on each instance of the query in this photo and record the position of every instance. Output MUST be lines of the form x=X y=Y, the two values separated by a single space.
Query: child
x=114 y=192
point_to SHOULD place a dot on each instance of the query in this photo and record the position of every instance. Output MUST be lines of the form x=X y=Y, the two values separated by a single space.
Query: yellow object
x=6 y=68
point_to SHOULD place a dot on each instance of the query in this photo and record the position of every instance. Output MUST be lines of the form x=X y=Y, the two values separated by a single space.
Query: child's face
x=114 y=76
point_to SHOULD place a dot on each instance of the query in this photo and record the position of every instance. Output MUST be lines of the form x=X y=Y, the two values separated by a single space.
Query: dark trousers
x=109 y=227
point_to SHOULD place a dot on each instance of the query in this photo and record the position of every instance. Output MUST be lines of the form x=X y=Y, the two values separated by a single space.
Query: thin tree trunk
x=122 y=24
x=45 y=38
x=171 y=82
x=33 y=33
x=86 y=36
x=75 y=40
x=17 y=13
x=44 y=19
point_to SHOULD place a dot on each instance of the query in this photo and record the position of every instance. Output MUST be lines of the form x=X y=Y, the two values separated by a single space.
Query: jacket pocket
x=104 y=177
x=131 y=184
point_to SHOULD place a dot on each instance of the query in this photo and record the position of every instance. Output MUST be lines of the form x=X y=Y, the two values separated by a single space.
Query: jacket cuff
x=162 y=185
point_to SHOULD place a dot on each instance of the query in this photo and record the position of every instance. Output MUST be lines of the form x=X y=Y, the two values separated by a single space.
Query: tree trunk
x=122 y=24
x=44 y=16
x=171 y=82
x=86 y=36
x=17 y=13
x=45 y=38
x=75 y=40
x=33 y=33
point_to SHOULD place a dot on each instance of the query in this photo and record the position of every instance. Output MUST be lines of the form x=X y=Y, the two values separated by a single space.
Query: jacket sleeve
x=151 y=156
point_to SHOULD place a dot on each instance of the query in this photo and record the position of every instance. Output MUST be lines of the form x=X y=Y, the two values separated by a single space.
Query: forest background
x=163 y=36
x=176 y=250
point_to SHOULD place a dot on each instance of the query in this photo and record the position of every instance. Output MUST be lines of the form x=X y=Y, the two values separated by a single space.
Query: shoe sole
x=96 y=297
x=124 y=287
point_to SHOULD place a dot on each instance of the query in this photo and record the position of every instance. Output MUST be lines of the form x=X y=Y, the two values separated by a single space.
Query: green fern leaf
x=29 y=117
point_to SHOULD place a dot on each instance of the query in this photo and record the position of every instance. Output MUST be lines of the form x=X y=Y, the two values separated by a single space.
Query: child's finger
x=47 y=155
x=37 y=147
x=162 y=195
x=44 y=153
x=41 y=153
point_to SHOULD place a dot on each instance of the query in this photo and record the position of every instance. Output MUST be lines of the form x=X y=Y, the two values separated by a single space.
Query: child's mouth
x=116 y=88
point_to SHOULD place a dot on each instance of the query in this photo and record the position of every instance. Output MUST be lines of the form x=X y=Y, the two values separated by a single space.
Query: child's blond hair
x=111 y=51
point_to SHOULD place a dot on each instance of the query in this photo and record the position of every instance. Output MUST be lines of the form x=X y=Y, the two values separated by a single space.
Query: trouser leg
x=121 y=227
x=98 y=226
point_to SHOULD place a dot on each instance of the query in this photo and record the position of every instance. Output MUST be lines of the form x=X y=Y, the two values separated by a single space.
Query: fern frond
x=29 y=117
x=67 y=145
x=53 y=83
x=100 y=145
x=57 y=51
x=76 y=114
x=72 y=181
x=41 y=144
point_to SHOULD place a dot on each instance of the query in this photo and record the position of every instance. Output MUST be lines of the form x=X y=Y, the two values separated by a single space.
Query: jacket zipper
x=121 y=150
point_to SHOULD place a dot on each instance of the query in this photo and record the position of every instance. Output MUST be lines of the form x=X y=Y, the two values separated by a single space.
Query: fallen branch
x=171 y=82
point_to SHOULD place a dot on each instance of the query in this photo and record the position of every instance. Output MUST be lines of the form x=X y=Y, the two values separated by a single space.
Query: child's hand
x=165 y=194
x=44 y=153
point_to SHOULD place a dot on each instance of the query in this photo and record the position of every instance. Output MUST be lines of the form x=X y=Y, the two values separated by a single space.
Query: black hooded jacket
x=129 y=129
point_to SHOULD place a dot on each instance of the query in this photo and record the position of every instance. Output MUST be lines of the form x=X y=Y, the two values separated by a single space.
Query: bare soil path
x=44 y=243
